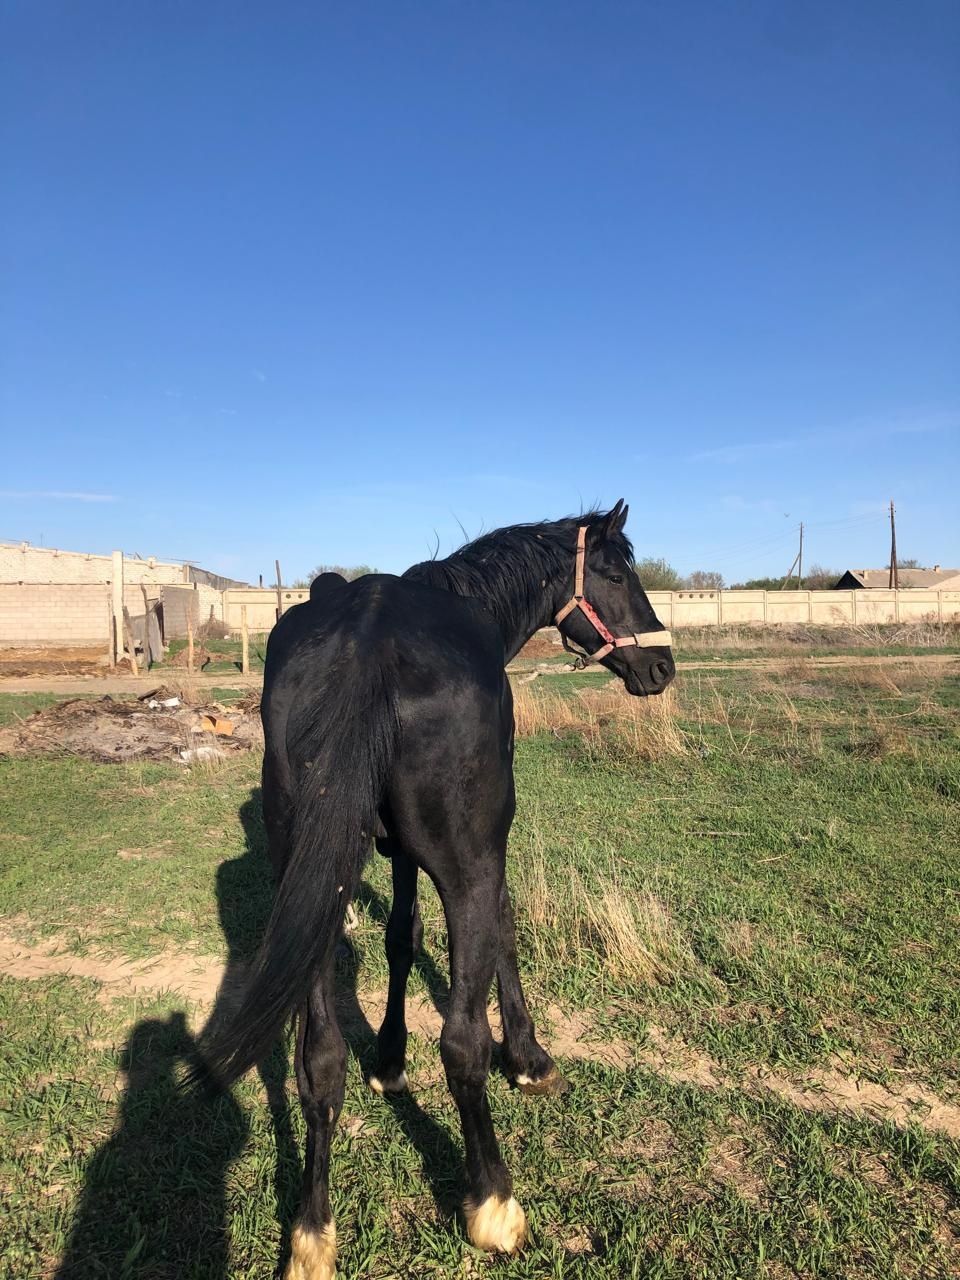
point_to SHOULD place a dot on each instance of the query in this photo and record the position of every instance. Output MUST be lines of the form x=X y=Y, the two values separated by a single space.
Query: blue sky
x=322 y=281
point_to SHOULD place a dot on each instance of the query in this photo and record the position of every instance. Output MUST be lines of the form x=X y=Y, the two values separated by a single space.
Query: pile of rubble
x=160 y=725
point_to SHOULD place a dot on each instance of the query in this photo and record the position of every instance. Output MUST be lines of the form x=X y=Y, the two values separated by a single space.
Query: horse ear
x=616 y=519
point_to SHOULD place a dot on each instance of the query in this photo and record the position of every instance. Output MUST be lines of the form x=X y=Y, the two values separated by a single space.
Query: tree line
x=659 y=575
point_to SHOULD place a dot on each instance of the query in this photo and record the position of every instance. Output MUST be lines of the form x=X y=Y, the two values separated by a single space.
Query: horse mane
x=506 y=569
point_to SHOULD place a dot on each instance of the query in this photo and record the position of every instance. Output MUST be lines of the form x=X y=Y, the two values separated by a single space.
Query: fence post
x=189 y=645
x=245 y=660
x=116 y=596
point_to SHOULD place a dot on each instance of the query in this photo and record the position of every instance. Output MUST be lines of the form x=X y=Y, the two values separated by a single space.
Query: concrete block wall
x=20 y=562
x=37 y=614
x=261 y=604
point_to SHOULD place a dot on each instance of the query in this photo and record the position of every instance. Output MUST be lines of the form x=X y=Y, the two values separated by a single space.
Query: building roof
x=935 y=577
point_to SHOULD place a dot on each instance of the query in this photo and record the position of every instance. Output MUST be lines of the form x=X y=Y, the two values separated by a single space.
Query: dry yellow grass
x=630 y=930
x=609 y=720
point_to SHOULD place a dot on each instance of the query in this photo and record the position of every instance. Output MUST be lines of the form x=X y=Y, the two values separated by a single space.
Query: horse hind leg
x=525 y=1060
x=321 y=1067
x=495 y=1221
x=403 y=941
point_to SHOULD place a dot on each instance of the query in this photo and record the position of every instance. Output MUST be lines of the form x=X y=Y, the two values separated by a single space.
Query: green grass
x=226 y=655
x=782 y=894
x=17 y=706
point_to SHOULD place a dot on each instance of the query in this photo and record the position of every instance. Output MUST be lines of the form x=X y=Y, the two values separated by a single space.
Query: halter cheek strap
x=644 y=639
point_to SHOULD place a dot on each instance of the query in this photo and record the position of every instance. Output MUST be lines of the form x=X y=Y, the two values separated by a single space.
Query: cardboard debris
x=214 y=724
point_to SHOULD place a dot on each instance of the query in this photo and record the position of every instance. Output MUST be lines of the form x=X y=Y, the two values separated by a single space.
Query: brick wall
x=54 y=614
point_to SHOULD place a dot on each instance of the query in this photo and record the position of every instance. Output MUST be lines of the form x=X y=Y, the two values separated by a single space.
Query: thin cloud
x=259 y=375
x=736 y=452
x=736 y=502
x=58 y=495
x=861 y=432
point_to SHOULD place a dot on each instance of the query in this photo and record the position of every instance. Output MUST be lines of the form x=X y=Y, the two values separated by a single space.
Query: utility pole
x=894 y=581
x=797 y=561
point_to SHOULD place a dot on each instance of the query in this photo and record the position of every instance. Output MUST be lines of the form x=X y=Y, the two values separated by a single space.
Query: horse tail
x=341 y=746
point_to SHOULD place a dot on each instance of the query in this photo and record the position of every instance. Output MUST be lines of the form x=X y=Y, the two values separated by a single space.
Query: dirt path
x=569 y=1035
x=97 y=686
x=133 y=685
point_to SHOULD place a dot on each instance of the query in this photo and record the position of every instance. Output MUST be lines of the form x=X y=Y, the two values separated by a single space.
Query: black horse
x=388 y=717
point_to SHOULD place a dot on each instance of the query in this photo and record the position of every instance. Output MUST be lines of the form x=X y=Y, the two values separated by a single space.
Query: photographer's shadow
x=153 y=1199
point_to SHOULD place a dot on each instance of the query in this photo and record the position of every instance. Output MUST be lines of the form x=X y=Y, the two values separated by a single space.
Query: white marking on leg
x=497 y=1225
x=389 y=1084
x=313 y=1254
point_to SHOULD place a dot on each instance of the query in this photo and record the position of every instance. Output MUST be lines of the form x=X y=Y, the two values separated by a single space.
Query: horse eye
x=616 y=579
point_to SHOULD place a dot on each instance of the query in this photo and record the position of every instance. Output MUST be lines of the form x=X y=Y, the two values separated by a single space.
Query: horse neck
x=521 y=601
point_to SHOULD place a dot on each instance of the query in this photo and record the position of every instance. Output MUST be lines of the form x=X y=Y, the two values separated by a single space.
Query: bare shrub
x=212 y=629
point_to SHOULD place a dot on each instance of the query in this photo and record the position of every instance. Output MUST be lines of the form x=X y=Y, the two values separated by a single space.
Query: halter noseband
x=645 y=639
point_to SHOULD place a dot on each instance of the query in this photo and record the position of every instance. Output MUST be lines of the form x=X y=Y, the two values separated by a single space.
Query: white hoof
x=389 y=1084
x=313 y=1254
x=497 y=1225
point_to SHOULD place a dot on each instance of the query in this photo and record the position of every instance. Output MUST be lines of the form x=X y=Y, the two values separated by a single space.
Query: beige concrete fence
x=702 y=608
x=84 y=612
x=807 y=608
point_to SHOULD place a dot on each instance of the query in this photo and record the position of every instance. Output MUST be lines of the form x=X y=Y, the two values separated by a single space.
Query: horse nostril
x=660 y=672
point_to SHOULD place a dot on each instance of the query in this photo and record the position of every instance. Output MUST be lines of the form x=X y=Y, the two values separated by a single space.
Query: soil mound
x=160 y=726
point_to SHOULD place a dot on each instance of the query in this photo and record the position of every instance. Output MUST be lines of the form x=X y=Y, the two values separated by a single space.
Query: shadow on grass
x=153 y=1197
x=154 y=1201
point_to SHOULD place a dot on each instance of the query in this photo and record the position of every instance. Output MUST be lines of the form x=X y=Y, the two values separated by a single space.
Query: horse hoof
x=389 y=1084
x=552 y=1085
x=499 y=1226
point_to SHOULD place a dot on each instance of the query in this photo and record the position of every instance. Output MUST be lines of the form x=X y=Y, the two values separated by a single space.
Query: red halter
x=645 y=639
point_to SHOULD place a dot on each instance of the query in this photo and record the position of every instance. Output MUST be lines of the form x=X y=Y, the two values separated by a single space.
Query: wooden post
x=189 y=645
x=245 y=639
x=130 y=643
x=116 y=592
x=279 y=596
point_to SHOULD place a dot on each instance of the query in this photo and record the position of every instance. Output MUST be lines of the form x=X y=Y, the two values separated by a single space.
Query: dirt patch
x=194 y=976
x=828 y=1090
x=730 y=1164
x=156 y=727
x=543 y=644
x=570 y=1035
x=62 y=660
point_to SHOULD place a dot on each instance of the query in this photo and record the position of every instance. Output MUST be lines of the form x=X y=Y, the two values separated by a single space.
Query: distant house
x=935 y=579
